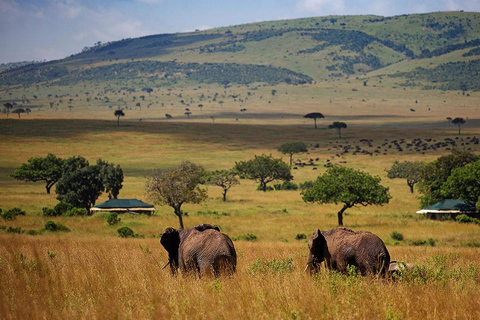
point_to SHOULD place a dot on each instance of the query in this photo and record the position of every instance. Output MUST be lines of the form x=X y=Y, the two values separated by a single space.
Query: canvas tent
x=449 y=208
x=124 y=205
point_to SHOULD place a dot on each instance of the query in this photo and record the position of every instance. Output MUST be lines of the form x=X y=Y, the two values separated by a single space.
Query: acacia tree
x=314 y=116
x=19 y=111
x=291 y=148
x=224 y=179
x=338 y=126
x=464 y=184
x=348 y=186
x=409 y=170
x=8 y=106
x=118 y=114
x=458 y=122
x=177 y=185
x=264 y=169
x=434 y=175
x=49 y=169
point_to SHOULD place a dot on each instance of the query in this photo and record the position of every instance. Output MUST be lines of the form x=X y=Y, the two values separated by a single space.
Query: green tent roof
x=123 y=203
x=452 y=204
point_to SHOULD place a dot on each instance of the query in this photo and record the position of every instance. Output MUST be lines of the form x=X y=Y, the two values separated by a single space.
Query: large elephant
x=201 y=250
x=342 y=247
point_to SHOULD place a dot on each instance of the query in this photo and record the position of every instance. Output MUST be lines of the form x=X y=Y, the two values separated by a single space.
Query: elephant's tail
x=225 y=265
x=383 y=263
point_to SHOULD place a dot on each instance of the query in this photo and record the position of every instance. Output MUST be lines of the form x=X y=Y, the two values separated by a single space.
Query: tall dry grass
x=106 y=278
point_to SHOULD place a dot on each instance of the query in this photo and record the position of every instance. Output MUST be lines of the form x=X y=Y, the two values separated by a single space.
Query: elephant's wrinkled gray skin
x=342 y=247
x=201 y=251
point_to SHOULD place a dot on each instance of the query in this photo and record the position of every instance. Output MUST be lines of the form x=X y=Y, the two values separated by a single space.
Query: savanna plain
x=91 y=273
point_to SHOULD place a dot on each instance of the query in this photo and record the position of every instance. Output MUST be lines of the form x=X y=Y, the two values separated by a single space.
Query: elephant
x=201 y=251
x=399 y=267
x=341 y=247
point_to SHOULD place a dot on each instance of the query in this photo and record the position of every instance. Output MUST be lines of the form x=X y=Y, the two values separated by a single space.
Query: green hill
x=424 y=51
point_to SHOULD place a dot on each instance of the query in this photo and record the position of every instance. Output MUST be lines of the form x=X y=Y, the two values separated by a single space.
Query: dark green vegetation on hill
x=421 y=48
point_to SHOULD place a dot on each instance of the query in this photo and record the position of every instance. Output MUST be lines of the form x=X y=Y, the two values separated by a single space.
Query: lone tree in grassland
x=458 y=122
x=338 y=126
x=177 y=185
x=314 y=116
x=48 y=169
x=409 y=170
x=264 y=169
x=118 y=114
x=19 y=111
x=291 y=148
x=348 y=186
x=8 y=106
x=224 y=179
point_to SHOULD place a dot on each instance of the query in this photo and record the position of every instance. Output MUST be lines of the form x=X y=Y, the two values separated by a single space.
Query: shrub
x=211 y=213
x=300 y=236
x=49 y=212
x=420 y=242
x=76 y=212
x=61 y=208
x=396 y=236
x=32 y=232
x=14 y=230
x=463 y=218
x=113 y=218
x=306 y=185
x=286 y=185
x=11 y=214
x=125 y=232
x=260 y=188
x=246 y=237
x=52 y=226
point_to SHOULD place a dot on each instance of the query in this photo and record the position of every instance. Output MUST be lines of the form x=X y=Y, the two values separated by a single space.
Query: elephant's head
x=171 y=241
x=318 y=251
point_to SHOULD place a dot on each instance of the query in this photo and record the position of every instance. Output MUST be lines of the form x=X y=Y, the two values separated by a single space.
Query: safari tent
x=124 y=205
x=449 y=208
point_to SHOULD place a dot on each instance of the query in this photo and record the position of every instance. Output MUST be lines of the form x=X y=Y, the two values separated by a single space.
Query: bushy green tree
x=177 y=185
x=224 y=179
x=349 y=187
x=112 y=177
x=291 y=148
x=409 y=170
x=264 y=169
x=81 y=187
x=436 y=173
x=49 y=169
x=464 y=183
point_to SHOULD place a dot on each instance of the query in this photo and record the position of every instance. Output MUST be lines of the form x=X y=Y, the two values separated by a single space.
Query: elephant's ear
x=171 y=241
x=318 y=245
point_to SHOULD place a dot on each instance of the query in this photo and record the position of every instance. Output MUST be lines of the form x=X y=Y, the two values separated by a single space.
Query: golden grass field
x=91 y=273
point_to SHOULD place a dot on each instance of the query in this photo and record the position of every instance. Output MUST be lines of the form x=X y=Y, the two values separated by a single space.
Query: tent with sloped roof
x=124 y=205
x=449 y=208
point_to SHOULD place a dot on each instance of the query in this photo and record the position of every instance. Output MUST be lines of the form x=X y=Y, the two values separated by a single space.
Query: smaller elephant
x=341 y=247
x=202 y=251
x=398 y=267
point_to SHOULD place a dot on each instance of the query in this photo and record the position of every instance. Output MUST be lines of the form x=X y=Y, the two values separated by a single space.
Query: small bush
x=61 y=208
x=11 y=214
x=301 y=236
x=52 y=226
x=14 y=230
x=269 y=188
x=49 y=212
x=396 y=236
x=125 y=232
x=113 y=219
x=32 y=232
x=420 y=242
x=76 y=212
x=463 y=218
x=286 y=185
x=246 y=237
x=306 y=185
